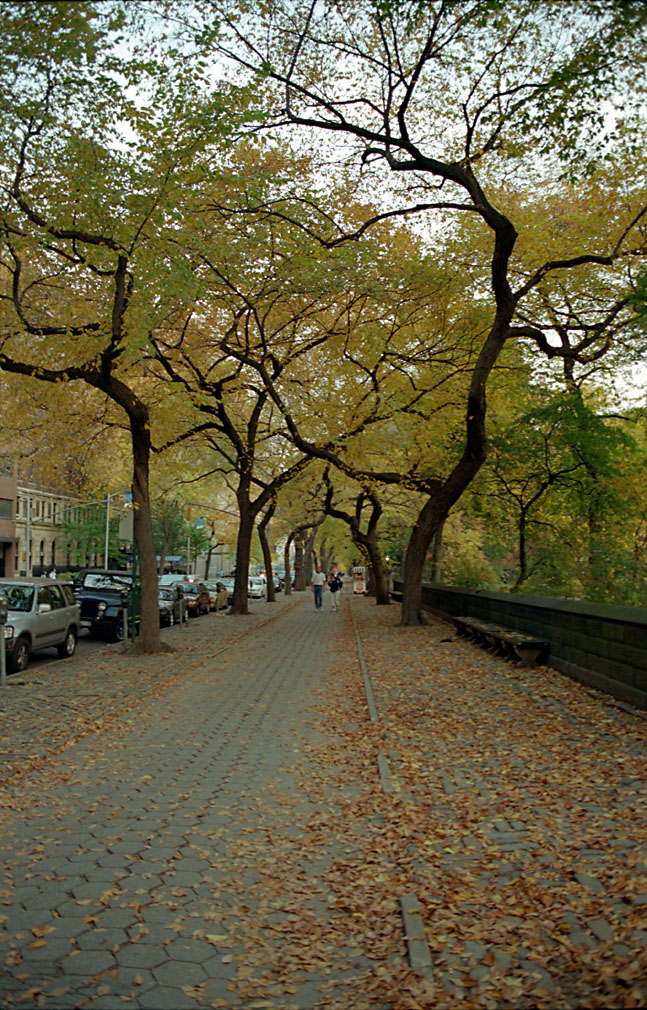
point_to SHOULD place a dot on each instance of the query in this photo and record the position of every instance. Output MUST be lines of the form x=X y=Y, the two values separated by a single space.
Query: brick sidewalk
x=226 y=827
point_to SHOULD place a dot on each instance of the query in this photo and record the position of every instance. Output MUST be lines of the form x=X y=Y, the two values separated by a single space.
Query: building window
x=6 y=511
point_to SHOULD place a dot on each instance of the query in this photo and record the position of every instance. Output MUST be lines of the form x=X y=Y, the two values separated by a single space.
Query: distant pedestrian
x=52 y=574
x=334 y=587
x=317 y=584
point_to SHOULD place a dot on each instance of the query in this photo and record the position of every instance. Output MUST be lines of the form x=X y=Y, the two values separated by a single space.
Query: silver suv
x=40 y=614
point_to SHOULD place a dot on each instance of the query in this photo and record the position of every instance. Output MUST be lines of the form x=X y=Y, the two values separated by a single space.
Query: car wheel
x=68 y=647
x=19 y=657
x=119 y=632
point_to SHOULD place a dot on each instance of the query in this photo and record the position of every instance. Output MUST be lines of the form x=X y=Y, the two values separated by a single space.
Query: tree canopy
x=351 y=237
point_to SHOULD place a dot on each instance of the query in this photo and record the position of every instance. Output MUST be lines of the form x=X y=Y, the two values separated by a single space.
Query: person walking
x=333 y=586
x=317 y=584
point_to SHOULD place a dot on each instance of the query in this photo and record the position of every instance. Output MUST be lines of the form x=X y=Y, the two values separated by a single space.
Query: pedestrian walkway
x=268 y=819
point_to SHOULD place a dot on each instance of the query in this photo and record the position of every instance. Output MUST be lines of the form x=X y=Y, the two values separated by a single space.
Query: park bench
x=517 y=645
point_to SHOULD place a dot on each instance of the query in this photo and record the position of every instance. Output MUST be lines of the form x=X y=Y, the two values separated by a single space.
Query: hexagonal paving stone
x=163 y=998
x=156 y=933
x=139 y=882
x=141 y=955
x=86 y=890
x=215 y=968
x=72 y=909
x=69 y=927
x=116 y=860
x=160 y=912
x=179 y=973
x=179 y=878
x=197 y=951
x=87 y=962
x=120 y=918
x=139 y=979
x=54 y=948
x=102 y=939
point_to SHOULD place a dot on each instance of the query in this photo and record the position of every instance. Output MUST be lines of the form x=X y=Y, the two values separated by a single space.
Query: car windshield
x=166 y=594
x=18 y=597
x=102 y=580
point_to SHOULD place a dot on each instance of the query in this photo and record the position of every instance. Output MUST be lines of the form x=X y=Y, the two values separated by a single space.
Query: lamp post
x=28 y=539
x=107 y=547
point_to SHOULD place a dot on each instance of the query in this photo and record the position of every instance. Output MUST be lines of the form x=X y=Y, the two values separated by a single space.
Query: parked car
x=218 y=596
x=174 y=608
x=41 y=614
x=196 y=596
x=228 y=582
x=104 y=596
x=256 y=588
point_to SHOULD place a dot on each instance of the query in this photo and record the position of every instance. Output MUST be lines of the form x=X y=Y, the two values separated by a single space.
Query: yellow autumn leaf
x=30 y=994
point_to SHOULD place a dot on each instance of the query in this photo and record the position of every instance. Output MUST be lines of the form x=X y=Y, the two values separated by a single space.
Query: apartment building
x=8 y=536
x=31 y=525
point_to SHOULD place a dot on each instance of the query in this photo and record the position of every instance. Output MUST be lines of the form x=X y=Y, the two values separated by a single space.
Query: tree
x=90 y=223
x=267 y=552
x=365 y=539
x=455 y=100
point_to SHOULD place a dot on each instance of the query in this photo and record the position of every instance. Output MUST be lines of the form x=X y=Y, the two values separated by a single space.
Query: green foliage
x=83 y=535
x=173 y=532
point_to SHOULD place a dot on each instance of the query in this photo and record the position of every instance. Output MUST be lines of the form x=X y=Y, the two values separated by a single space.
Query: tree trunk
x=286 y=564
x=523 y=558
x=267 y=554
x=378 y=568
x=427 y=523
x=143 y=529
x=308 y=551
x=239 y=603
x=299 y=584
x=437 y=553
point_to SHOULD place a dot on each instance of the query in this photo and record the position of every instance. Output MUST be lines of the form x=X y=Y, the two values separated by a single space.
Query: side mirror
x=44 y=608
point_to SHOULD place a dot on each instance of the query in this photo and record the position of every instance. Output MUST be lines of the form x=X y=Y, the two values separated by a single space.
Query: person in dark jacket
x=334 y=587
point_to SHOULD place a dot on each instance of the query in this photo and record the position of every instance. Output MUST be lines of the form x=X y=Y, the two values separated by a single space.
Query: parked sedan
x=196 y=596
x=228 y=584
x=256 y=588
x=173 y=606
x=40 y=614
x=218 y=595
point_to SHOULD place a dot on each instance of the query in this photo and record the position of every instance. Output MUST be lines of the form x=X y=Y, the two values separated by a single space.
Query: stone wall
x=602 y=646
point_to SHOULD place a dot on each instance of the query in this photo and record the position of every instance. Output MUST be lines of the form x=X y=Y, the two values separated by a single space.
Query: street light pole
x=105 y=554
x=28 y=537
